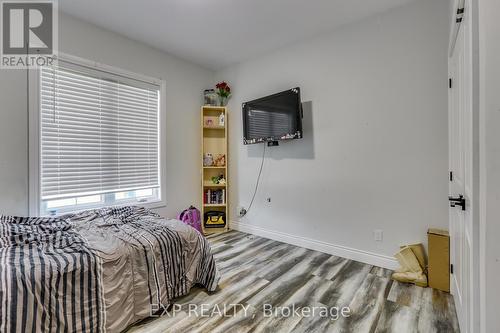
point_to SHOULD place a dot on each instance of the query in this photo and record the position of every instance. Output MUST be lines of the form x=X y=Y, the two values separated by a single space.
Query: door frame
x=474 y=311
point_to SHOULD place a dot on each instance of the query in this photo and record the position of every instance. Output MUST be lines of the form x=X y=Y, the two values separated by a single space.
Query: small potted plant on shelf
x=224 y=92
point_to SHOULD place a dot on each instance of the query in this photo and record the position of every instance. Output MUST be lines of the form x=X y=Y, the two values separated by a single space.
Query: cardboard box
x=439 y=259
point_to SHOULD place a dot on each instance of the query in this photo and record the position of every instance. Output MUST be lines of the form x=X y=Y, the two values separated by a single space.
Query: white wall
x=374 y=154
x=489 y=50
x=185 y=84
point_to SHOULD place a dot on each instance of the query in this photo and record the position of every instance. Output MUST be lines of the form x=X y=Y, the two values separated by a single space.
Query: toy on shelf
x=219 y=180
x=219 y=160
x=209 y=122
x=222 y=119
x=208 y=160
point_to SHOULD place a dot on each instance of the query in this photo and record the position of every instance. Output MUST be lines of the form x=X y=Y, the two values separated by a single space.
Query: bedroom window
x=99 y=138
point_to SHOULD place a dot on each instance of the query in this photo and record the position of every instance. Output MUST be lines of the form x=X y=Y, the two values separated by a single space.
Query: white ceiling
x=218 y=33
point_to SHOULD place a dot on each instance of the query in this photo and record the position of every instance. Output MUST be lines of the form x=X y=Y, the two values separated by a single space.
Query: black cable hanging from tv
x=258 y=179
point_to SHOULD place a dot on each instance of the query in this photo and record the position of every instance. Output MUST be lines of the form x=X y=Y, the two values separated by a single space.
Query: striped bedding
x=96 y=271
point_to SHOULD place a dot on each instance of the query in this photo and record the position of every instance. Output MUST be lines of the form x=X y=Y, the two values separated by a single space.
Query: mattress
x=99 y=270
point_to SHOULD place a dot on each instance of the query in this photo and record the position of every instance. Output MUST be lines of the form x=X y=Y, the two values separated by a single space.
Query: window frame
x=34 y=139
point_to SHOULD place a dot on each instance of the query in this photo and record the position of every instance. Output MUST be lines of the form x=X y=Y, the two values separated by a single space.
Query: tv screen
x=272 y=118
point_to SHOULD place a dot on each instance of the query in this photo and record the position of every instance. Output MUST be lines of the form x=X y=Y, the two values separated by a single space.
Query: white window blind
x=99 y=133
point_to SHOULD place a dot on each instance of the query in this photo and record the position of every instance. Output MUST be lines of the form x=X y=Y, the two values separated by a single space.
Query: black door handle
x=460 y=201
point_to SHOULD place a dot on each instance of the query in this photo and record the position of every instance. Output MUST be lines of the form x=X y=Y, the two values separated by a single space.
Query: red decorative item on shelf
x=224 y=91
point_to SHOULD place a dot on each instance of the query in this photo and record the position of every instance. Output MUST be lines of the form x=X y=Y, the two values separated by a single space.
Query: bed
x=96 y=271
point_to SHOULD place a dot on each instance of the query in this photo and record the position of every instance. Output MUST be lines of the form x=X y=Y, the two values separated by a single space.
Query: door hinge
x=450 y=83
x=460 y=14
x=451 y=176
x=451 y=268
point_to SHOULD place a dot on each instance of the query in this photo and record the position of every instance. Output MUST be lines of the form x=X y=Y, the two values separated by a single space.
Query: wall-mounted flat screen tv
x=273 y=118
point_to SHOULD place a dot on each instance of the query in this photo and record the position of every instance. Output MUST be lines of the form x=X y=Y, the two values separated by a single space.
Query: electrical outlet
x=378 y=235
x=241 y=211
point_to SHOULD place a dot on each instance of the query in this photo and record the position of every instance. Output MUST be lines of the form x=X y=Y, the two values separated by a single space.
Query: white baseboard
x=308 y=243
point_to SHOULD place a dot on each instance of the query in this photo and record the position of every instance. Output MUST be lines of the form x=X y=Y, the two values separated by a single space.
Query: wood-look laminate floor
x=257 y=271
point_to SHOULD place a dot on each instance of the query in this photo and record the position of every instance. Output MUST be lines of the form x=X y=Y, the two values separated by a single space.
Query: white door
x=462 y=169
